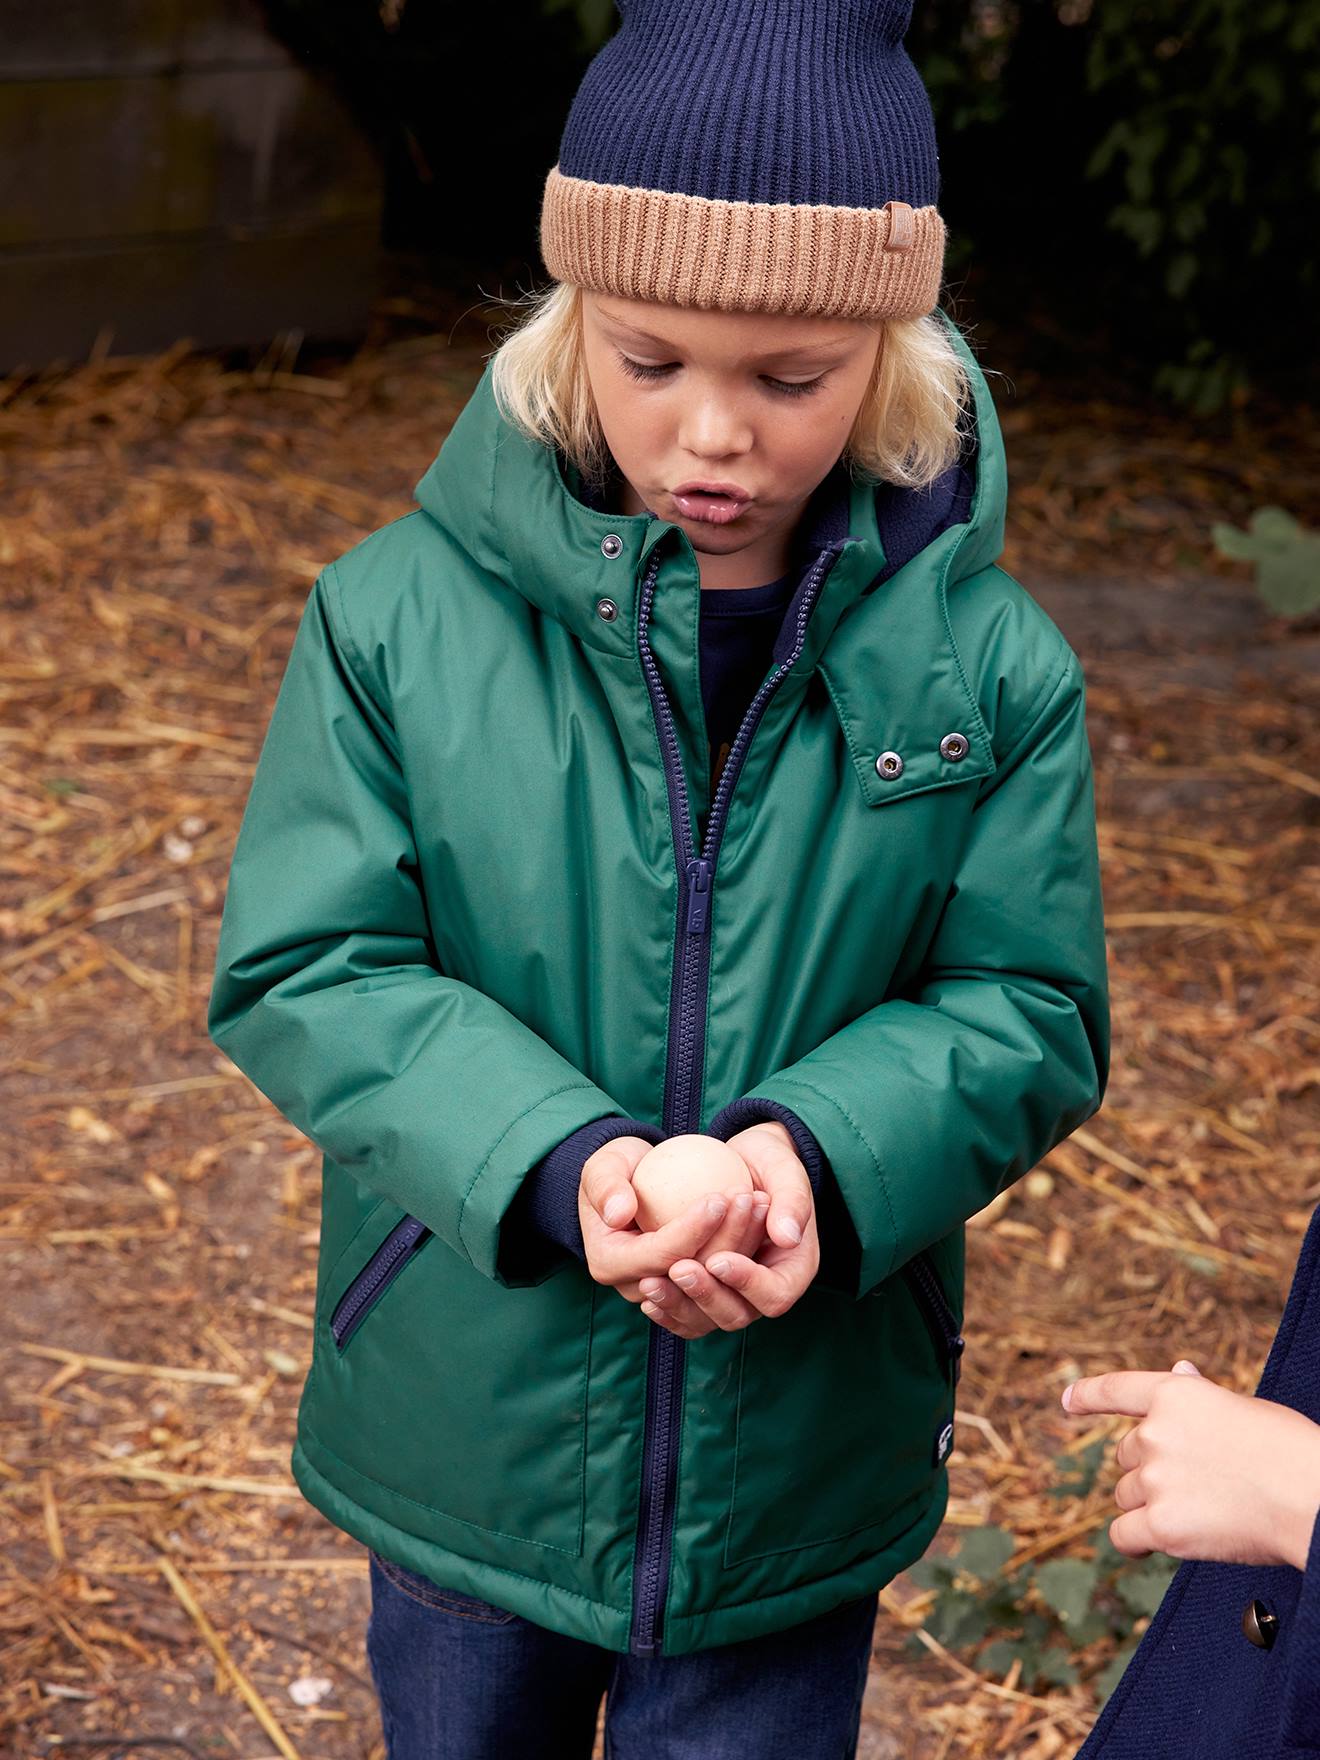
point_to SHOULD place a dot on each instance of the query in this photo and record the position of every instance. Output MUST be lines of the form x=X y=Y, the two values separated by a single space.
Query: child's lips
x=715 y=510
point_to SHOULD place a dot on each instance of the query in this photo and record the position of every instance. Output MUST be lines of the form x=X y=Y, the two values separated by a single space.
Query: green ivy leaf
x=985 y=1551
x=1066 y=1585
x=1083 y=1469
x=933 y=1572
x=958 y=1620
x=1056 y=1667
x=1286 y=556
x=1142 y=1588
x=1112 y=1673
x=1000 y=1656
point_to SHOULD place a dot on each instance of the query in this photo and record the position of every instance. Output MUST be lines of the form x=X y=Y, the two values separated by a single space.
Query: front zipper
x=375 y=1277
x=684 y=1066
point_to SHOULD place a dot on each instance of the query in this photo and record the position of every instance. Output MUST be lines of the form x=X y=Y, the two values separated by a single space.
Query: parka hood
x=507 y=499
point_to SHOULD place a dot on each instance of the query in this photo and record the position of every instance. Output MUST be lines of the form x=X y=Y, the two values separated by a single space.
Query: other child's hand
x=1209 y=1473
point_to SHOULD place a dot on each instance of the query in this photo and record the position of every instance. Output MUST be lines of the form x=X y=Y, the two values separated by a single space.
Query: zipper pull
x=698 y=898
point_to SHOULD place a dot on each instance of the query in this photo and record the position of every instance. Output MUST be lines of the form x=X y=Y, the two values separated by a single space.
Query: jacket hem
x=567 y=1611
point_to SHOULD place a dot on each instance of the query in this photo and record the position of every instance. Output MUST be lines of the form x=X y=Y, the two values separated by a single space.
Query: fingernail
x=718 y=1266
x=1066 y=1397
x=616 y=1209
x=685 y=1279
x=715 y=1205
x=743 y=1202
x=793 y=1229
x=649 y=1308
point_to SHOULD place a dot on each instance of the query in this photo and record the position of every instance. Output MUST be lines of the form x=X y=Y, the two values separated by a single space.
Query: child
x=1230 y=1664
x=684 y=765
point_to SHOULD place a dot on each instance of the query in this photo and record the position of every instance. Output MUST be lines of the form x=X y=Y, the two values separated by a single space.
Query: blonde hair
x=908 y=428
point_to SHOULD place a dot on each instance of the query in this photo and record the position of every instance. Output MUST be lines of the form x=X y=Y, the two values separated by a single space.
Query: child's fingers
x=705 y=1298
x=1130 y=1533
x=607 y=1181
x=742 y=1226
x=771 y=1286
x=1128 y=1391
x=618 y=1256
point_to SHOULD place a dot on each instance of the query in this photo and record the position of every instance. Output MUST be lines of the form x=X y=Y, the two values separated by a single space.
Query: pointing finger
x=1126 y=1391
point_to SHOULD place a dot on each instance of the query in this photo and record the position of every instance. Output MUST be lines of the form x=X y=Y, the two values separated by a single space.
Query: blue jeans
x=462 y=1679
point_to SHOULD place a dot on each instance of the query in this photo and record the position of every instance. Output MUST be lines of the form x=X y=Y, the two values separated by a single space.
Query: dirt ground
x=160 y=527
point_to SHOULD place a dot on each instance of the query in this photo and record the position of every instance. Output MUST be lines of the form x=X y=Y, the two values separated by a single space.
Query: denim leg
x=462 y=1679
x=795 y=1695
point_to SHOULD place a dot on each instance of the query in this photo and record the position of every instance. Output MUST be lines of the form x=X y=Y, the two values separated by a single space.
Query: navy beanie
x=751 y=155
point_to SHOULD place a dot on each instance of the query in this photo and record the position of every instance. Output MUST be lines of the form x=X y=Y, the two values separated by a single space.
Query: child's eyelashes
x=784 y=387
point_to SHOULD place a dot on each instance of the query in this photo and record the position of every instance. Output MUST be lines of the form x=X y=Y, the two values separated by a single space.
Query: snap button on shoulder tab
x=889 y=765
x=607 y=609
x=1260 y=1625
x=954 y=746
x=611 y=545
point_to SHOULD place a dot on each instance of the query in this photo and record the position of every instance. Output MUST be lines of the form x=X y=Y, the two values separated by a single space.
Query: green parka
x=466 y=916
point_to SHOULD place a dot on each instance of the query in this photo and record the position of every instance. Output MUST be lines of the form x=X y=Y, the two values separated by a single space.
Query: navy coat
x=1198 y=1684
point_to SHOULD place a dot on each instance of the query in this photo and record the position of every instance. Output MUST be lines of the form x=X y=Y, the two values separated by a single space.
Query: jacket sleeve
x=930 y=1103
x=544 y=1213
x=327 y=992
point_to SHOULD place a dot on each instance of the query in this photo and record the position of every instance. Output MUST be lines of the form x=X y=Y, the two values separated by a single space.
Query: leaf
x=936 y=1572
x=1066 y=1585
x=1141 y=1589
x=985 y=1551
x=1113 y=1672
x=1087 y=1630
x=958 y=1620
x=1056 y=1666
x=1000 y=1656
x=1083 y=1467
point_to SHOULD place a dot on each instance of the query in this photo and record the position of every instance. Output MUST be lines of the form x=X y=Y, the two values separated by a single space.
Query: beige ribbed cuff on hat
x=679 y=249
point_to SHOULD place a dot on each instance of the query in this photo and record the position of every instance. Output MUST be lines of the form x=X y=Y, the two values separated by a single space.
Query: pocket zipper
x=375 y=1277
x=940 y=1317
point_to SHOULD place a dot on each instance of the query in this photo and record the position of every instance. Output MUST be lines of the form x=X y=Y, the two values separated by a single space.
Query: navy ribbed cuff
x=546 y=1208
x=750 y=1109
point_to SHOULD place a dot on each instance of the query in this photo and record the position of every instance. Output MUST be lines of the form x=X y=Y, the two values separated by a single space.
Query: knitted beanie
x=751 y=155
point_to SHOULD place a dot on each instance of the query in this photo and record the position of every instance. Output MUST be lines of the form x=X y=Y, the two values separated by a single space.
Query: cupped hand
x=635 y=1262
x=772 y=1281
x=619 y=1254
x=1208 y=1473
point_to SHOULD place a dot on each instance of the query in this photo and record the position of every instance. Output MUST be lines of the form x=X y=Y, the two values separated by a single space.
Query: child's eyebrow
x=790 y=350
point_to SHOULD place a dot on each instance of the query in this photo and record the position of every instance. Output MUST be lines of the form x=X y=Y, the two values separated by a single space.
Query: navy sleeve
x=545 y=1208
x=1301 y=1687
x=738 y=1114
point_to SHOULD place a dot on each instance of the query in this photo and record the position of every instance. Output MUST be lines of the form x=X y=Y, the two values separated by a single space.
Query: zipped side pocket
x=924 y=1282
x=375 y=1277
x=940 y=1317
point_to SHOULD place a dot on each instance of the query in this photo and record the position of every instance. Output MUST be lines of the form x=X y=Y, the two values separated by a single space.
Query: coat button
x=607 y=609
x=611 y=544
x=1260 y=1625
x=954 y=746
x=889 y=765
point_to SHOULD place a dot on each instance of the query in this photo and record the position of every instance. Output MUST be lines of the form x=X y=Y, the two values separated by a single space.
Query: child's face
x=762 y=402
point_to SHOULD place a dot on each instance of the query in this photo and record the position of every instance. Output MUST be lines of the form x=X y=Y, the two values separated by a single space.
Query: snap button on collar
x=954 y=746
x=607 y=609
x=889 y=765
x=611 y=545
